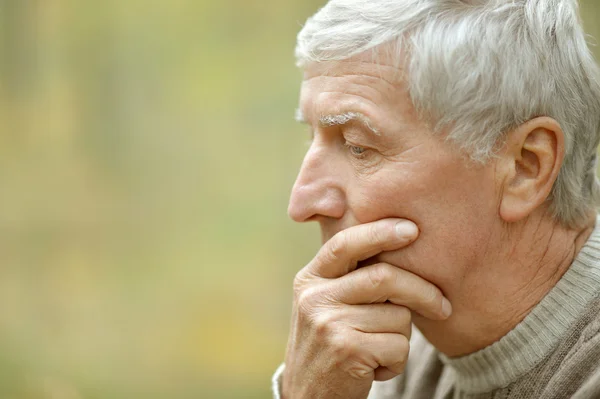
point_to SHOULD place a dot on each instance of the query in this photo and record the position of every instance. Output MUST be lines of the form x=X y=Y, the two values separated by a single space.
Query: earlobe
x=532 y=155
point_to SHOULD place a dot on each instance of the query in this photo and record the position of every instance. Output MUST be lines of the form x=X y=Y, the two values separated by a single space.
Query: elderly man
x=452 y=172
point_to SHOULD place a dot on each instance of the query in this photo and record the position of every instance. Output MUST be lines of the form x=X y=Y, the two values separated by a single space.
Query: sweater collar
x=525 y=346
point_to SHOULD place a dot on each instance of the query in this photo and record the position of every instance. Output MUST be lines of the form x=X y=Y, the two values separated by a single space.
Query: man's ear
x=531 y=159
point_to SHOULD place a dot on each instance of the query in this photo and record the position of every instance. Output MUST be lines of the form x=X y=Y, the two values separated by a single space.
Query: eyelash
x=352 y=148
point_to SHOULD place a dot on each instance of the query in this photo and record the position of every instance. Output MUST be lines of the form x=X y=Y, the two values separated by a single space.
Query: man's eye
x=356 y=150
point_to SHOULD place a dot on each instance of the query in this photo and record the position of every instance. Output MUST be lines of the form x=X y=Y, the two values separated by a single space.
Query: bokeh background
x=147 y=150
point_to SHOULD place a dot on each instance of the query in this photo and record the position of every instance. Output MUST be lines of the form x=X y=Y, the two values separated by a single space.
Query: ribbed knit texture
x=533 y=339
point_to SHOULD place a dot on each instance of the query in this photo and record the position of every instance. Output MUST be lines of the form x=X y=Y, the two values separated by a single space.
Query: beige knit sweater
x=553 y=353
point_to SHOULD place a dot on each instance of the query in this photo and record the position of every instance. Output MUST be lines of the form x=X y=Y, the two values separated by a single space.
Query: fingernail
x=446 y=308
x=406 y=229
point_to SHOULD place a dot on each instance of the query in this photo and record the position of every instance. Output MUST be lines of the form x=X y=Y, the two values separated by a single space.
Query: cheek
x=386 y=195
x=454 y=210
x=417 y=193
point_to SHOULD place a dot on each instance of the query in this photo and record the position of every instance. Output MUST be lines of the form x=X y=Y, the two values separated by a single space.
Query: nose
x=318 y=187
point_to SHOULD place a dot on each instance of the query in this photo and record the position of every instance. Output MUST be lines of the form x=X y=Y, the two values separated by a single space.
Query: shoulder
x=585 y=339
x=577 y=359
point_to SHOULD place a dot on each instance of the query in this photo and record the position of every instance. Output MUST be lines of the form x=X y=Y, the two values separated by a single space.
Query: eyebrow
x=340 y=119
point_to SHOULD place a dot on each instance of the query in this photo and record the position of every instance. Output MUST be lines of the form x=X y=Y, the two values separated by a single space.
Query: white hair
x=478 y=69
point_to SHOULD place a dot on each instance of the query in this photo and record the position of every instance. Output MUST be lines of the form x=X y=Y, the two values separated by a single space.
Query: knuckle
x=349 y=357
x=397 y=357
x=408 y=334
x=306 y=299
x=358 y=371
x=376 y=235
x=299 y=282
x=323 y=324
x=432 y=295
x=303 y=280
x=342 y=347
x=380 y=275
x=404 y=314
x=338 y=245
x=398 y=367
x=403 y=348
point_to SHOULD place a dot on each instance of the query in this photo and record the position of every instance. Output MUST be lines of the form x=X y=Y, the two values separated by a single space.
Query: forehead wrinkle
x=342 y=100
x=366 y=87
x=389 y=74
x=363 y=78
x=374 y=79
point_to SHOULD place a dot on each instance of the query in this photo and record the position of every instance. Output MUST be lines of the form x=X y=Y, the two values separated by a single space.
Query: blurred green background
x=147 y=150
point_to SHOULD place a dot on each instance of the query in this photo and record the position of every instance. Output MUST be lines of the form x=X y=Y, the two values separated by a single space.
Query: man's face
x=351 y=175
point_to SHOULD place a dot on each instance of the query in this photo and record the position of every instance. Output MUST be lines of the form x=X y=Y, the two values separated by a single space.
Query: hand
x=352 y=326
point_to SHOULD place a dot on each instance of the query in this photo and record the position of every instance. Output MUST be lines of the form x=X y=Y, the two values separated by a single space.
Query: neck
x=511 y=278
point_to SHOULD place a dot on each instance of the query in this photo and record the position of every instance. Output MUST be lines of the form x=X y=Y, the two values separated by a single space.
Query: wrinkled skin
x=353 y=179
x=482 y=237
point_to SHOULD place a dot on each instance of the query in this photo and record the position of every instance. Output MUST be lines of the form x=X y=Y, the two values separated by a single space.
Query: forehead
x=351 y=75
x=368 y=84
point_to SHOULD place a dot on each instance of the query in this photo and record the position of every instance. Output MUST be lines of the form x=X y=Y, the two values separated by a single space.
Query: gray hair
x=480 y=68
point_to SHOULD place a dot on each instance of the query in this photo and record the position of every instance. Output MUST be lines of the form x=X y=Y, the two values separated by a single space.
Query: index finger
x=340 y=255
